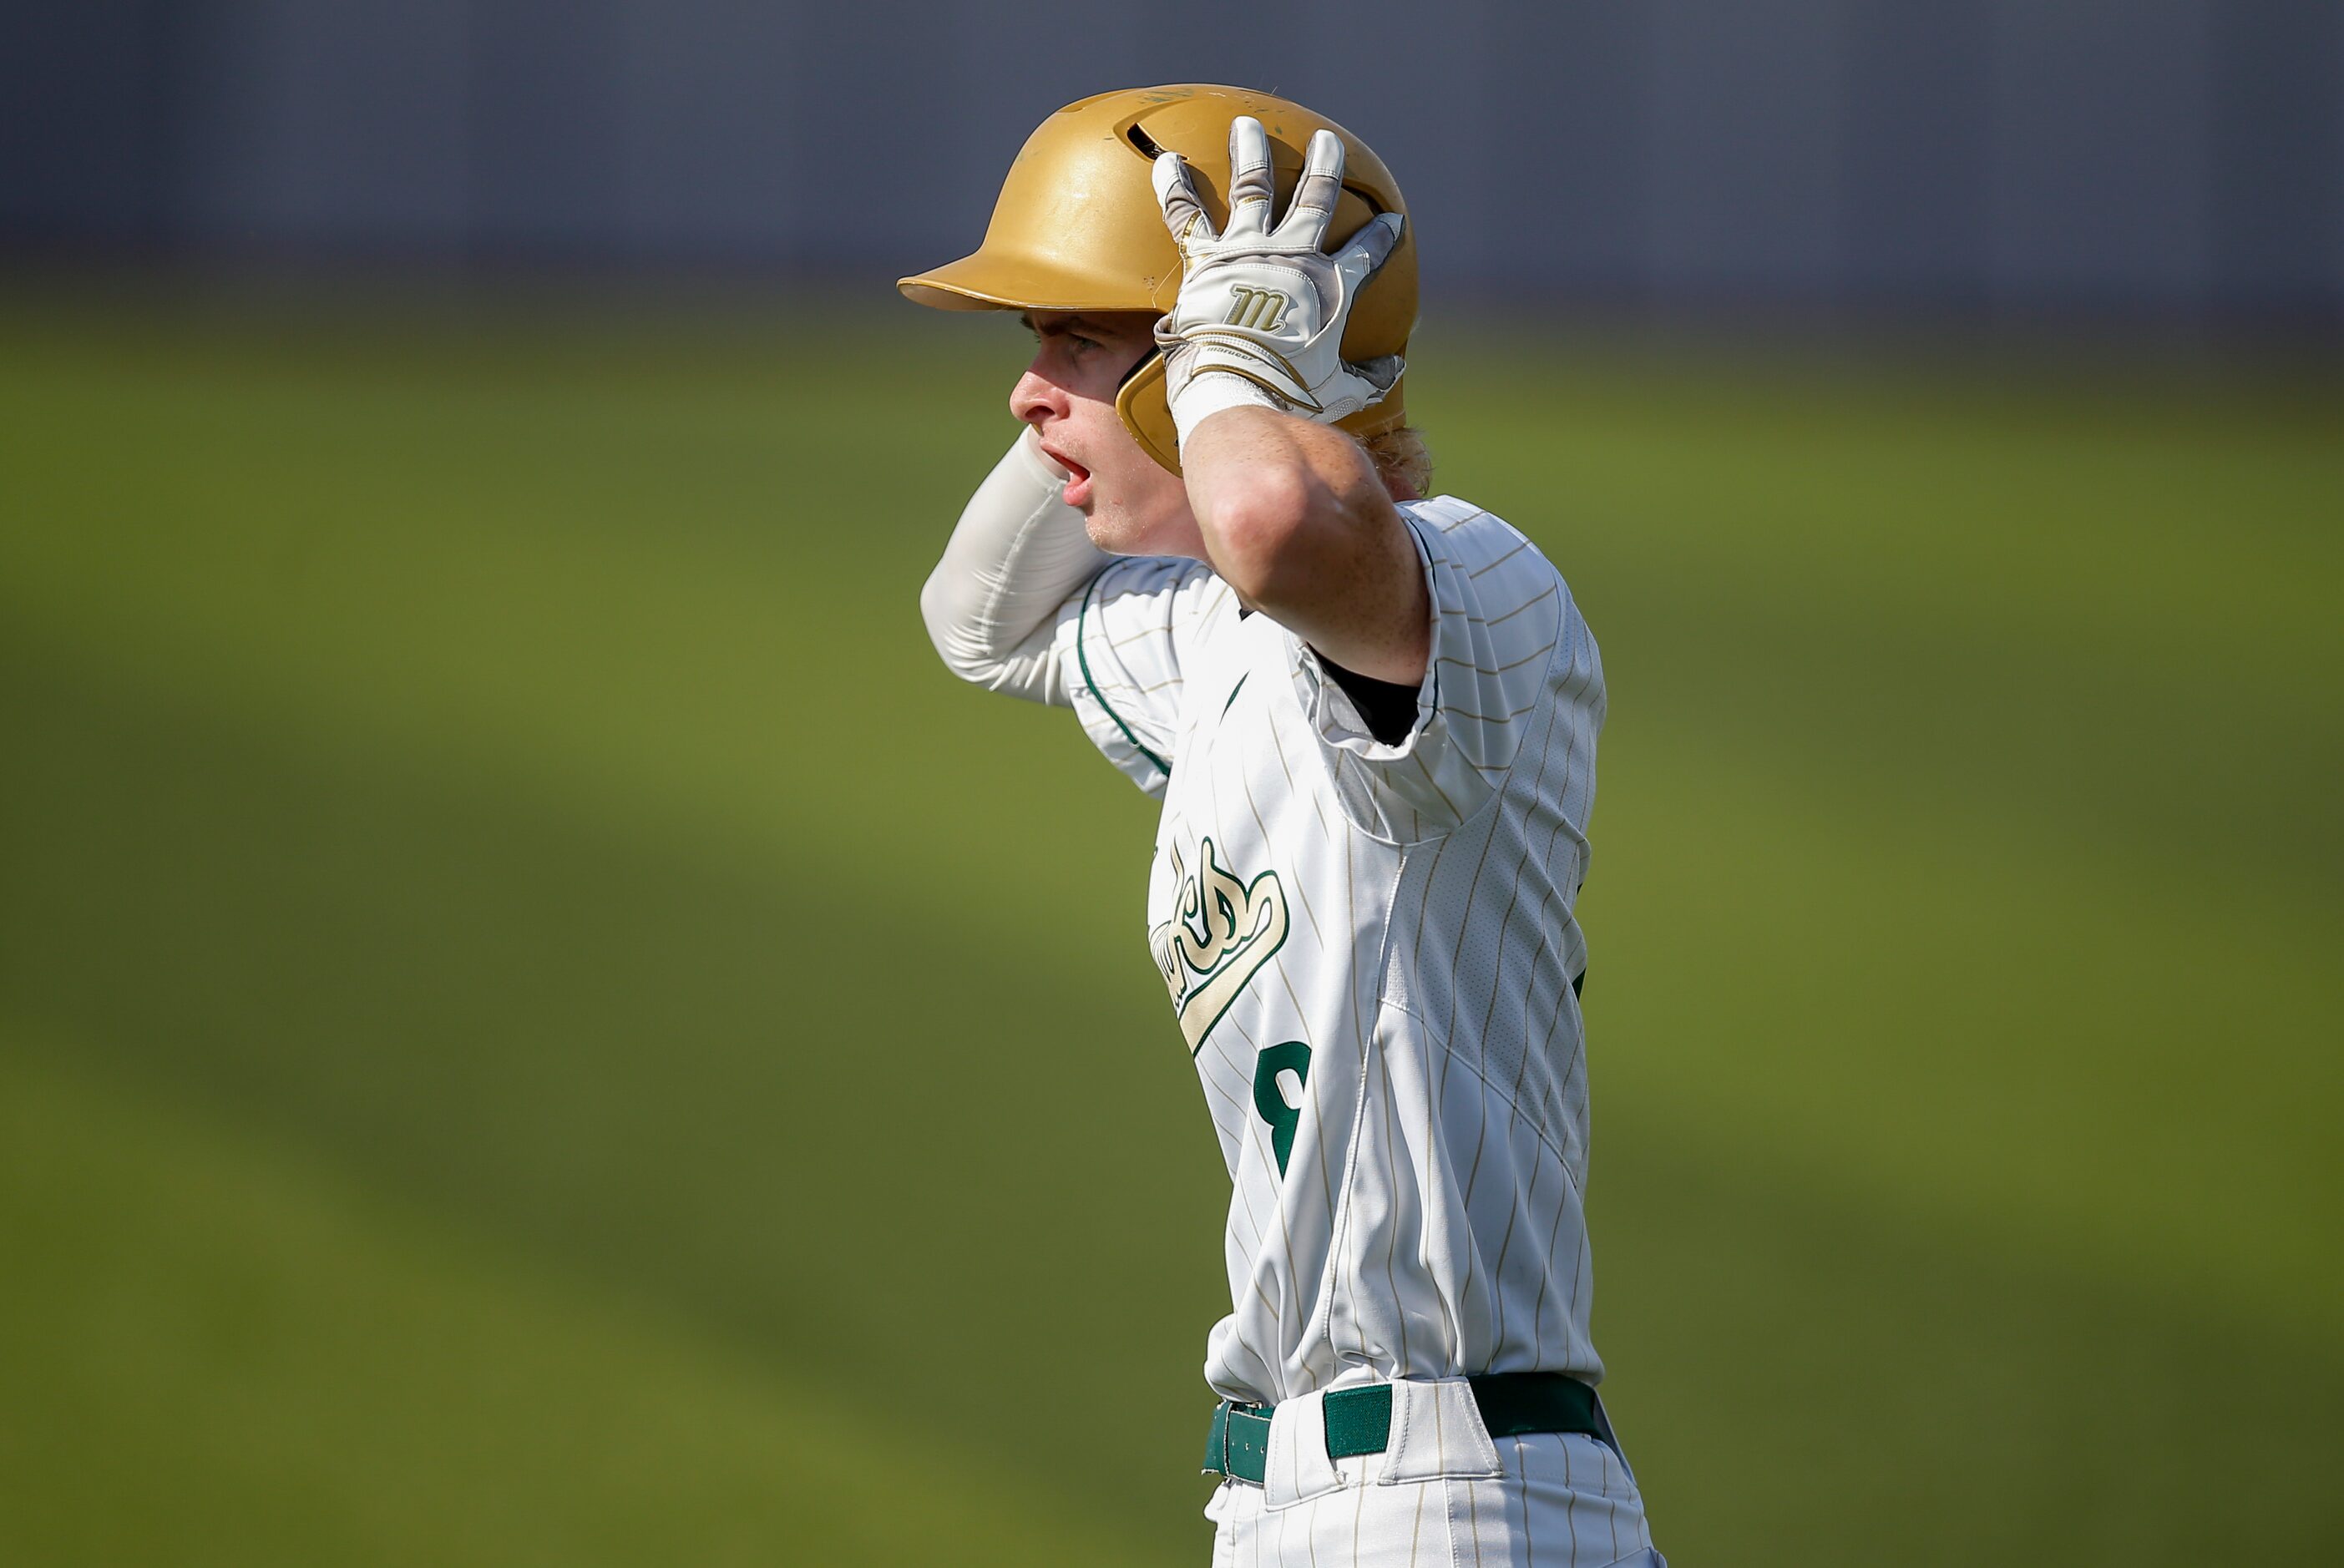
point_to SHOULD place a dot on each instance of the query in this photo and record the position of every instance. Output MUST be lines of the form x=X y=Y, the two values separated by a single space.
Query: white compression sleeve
x=1018 y=554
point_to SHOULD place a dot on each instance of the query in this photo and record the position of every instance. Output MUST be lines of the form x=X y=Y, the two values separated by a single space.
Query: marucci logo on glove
x=1259 y=310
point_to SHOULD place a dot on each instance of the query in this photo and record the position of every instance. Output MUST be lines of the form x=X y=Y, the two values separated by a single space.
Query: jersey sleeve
x=1513 y=677
x=1121 y=645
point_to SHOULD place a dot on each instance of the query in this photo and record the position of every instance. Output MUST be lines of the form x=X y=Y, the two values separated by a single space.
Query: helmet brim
x=988 y=281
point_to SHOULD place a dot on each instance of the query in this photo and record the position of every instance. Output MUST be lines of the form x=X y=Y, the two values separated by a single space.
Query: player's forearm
x=1018 y=551
x=1294 y=518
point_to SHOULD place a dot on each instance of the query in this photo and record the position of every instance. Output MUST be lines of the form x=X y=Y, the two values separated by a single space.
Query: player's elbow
x=1260 y=536
x=1291 y=530
x=980 y=649
x=953 y=630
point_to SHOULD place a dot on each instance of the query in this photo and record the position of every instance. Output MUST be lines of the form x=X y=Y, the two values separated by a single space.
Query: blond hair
x=1403 y=461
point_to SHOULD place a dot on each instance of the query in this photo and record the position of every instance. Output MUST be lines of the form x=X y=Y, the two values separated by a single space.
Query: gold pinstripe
x=1494 y=718
x=1490 y=566
x=1502 y=669
x=1517 y=610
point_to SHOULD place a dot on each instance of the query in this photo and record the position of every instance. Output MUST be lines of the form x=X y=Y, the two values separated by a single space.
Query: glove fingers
x=1251 y=184
x=1369 y=249
x=1314 y=199
x=1183 y=215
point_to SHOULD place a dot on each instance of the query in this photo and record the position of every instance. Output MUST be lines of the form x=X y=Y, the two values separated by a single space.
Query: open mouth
x=1078 y=478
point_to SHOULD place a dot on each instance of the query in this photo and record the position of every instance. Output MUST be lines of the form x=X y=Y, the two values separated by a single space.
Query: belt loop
x=1610 y=1440
x=1297 y=1467
x=1438 y=1435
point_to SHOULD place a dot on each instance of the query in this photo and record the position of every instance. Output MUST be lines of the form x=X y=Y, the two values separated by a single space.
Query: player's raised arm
x=1293 y=514
x=1017 y=555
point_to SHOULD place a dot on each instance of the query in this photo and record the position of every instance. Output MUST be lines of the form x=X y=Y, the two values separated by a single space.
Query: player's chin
x=1111 y=531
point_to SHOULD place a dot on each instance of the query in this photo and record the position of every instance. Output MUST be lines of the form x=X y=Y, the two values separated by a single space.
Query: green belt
x=1359 y=1421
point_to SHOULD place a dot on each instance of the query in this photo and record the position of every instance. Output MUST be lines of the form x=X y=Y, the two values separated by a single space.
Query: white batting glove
x=1259 y=318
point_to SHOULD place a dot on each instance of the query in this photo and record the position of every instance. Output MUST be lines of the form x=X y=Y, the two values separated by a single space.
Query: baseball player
x=1371 y=717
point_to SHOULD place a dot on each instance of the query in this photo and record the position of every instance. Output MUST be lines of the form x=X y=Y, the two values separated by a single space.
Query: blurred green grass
x=222 y=1353
x=508 y=931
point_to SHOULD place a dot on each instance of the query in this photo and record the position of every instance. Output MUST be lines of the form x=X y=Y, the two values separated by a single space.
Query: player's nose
x=1033 y=400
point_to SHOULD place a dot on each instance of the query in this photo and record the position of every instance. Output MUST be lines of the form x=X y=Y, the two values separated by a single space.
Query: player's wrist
x=1211 y=392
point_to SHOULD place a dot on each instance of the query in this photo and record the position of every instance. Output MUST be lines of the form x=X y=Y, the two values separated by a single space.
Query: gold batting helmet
x=1078 y=227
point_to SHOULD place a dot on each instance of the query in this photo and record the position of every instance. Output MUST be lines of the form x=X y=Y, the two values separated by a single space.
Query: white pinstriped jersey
x=1372 y=956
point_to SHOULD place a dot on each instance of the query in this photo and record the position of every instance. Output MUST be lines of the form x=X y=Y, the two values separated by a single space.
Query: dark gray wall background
x=2179 y=155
